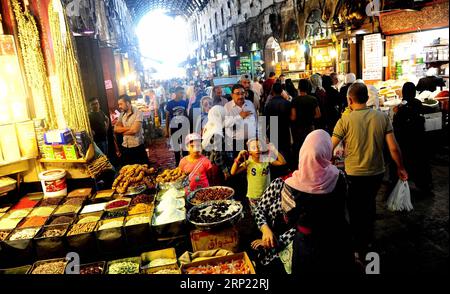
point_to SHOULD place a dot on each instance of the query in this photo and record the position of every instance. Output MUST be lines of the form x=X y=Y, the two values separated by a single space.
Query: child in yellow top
x=257 y=163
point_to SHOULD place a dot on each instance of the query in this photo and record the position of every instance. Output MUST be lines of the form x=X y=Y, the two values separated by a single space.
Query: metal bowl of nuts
x=202 y=195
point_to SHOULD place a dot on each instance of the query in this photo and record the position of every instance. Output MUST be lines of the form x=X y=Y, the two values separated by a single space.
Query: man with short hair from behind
x=365 y=132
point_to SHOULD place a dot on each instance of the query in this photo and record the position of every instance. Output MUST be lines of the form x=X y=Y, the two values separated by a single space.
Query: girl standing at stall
x=195 y=164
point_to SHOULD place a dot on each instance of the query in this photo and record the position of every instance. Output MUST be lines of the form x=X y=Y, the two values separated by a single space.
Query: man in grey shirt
x=129 y=125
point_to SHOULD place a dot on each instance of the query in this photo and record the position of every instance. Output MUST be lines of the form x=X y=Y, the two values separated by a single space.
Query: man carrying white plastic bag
x=400 y=198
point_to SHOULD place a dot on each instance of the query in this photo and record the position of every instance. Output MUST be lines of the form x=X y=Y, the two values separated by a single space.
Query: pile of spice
x=166 y=272
x=24 y=234
x=111 y=225
x=67 y=209
x=124 y=267
x=162 y=261
x=21 y=213
x=138 y=220
x=94 y=269
x=43 y=211
x=9 y=223
x=50 y=268
x=115 y=214
x=25 y=203
x=105 y=193
x=142 y=198
x=89 y=219
x=51 y=201
x=141 y=208
x=93 y=208
x=117 y=204
x=82 y=192
x=75 y=201
x=34 y=221
x=53 y=232
x=81 y=229
x=61 y=220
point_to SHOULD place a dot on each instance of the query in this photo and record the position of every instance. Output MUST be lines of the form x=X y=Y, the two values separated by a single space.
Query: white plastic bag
x=400 y=198
x=339 y=155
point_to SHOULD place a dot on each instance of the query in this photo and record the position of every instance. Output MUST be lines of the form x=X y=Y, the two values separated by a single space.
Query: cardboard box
x=221 y=259
x=208 y=240
x=70 y=152
x=48 y=152
x=59 y=152
x=58 y=137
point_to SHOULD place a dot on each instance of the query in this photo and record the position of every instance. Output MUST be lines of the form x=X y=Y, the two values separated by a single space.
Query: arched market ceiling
x=186 y=8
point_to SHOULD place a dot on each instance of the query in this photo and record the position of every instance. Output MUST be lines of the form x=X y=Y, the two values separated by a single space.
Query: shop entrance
x=272 y=55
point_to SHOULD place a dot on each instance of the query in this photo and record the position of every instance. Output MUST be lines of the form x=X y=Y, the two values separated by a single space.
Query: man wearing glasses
x=240 y=118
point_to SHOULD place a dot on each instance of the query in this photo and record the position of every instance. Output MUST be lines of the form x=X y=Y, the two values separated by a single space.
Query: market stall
x=323 y=55
x=293 y=63
x=412 y=55
x=141 y=211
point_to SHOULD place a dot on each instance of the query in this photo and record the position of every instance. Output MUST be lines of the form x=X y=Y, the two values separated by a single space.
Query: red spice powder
x=25 y=203
x=116 y=204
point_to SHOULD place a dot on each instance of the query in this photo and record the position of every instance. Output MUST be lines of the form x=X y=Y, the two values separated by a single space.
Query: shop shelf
x=3 y=163
x=89 y=155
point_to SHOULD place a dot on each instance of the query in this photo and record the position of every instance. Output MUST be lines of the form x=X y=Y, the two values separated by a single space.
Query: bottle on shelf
x=435 y=54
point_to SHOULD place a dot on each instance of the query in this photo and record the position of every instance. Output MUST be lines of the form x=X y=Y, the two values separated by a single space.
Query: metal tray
x=178 y=184
x=135 y=190
x=37 y=263
x=100 y=264
x=136 y=260
x=192 y=194
x=228 y=221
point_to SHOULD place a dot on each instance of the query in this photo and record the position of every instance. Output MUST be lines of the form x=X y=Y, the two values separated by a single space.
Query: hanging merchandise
x=73 y=102
x=34 y=65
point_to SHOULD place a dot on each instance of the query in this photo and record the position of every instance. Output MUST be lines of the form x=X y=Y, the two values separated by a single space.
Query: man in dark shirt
x=99 y=124
x=281 y=109
x=305 y=108
x=177 y=122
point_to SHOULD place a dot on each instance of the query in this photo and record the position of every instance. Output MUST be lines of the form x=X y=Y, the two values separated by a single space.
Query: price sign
x=373 y=57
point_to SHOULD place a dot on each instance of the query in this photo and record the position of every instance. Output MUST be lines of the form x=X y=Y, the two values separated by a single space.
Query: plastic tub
x=54 y=182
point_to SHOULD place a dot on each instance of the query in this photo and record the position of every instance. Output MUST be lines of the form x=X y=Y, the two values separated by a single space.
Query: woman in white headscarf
x=349 y=79
x=214 y=145
x=374 y=99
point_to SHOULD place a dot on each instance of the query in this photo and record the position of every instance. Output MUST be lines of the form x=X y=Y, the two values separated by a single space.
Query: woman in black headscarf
x=332 y=104
x=290 y=89
x=409 y=129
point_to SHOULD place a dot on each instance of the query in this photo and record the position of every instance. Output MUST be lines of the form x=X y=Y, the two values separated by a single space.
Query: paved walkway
x=414 y=242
